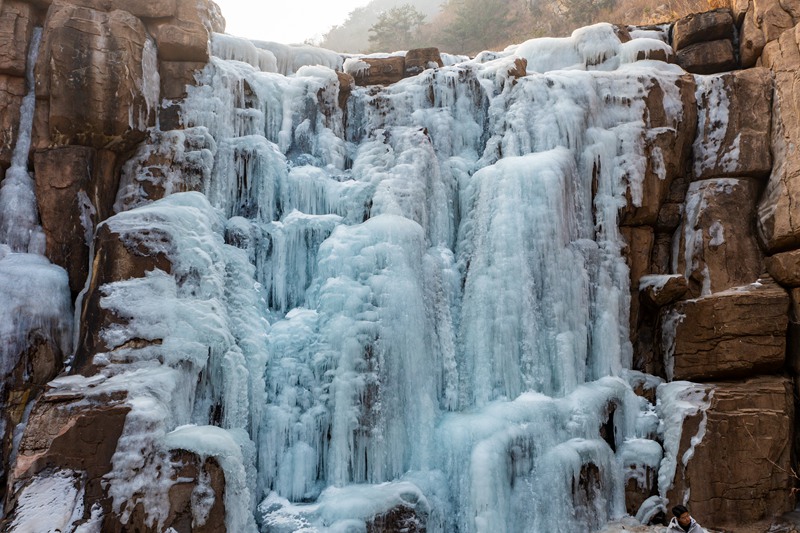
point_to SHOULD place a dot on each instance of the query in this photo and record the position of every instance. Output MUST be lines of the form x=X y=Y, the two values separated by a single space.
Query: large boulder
x=716 y=244
x=708 y=57
x=736 y=466
x=702 y=27
x=420 y=59
x=734 y=125
x=785 y=268
x=16 y=25
x=763 y=22
x=98 y=72
x=380 y=71
x=729 y=334
x=778 y=226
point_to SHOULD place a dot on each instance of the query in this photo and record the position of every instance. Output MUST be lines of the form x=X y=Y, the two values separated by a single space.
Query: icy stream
x=418 y=301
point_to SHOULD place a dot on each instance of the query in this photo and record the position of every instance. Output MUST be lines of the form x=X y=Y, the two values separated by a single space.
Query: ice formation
x=416 y=301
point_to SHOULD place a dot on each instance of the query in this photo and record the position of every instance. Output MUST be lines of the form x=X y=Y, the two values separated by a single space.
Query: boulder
x=740 y=470
x=96 y=71
x=420 y=59
x=734 y=125
x=667 y=145
x=729 y=334
x=179 y=40
x=707 y=57
x=381 y=71
x=716 y=244
x=661 y=290
x=401 y=518
x=778 y=226
x=16 y=25
x=763 y=22
x=785 y=268
x=702 y=27
x=12 y=90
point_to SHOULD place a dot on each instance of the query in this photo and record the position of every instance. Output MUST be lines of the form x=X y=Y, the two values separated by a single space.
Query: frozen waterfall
x=414 y=299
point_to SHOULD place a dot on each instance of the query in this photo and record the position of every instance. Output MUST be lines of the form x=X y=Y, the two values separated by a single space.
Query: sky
x=285 y=21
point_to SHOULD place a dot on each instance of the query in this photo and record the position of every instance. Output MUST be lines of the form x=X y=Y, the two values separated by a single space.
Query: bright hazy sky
x=285 y=21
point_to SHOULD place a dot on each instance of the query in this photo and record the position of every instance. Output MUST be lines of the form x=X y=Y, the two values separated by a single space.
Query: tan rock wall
x=741 y=470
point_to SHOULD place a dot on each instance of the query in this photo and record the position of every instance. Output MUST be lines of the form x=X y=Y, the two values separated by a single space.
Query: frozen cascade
x=414 y=299
x=37 y=304
x=19 y=215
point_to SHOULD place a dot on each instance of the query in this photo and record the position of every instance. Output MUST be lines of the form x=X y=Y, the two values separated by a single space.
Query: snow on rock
x=52 y=502
x=678 y=401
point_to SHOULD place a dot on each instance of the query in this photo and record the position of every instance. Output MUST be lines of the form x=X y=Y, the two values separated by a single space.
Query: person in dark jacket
x=683 y=522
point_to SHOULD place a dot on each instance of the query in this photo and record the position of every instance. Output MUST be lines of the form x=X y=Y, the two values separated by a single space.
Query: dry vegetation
x=469 y=26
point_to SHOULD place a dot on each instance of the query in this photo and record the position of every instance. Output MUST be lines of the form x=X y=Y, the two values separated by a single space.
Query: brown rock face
x=763 y=22
x=420 y=59
x=12 y=90
x=16 y=24
x=96 y=69
x=176 y=76
x=740 y=471
x=778 y=226
x=702 y=27
x=717 y=246
x=707 y=57
x=74 y=188
x=785 y=268
x=382 y=71
x=67 y=434
x=727 y=335
x=181 y=41
x=739 y=146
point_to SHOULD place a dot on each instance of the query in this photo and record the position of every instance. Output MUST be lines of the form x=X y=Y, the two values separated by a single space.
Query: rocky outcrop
x=740 y=471
x=730 y=334
x=777 y=225
x=381 y=71
x=763 y=22
x=113 y=102
x=734 y=125
x=420 y=59
x=703 y=42
x=717 y=247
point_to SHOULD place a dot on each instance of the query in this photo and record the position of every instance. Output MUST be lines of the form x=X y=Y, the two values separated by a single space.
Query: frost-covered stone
x=716 y=248
x=734 y=127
